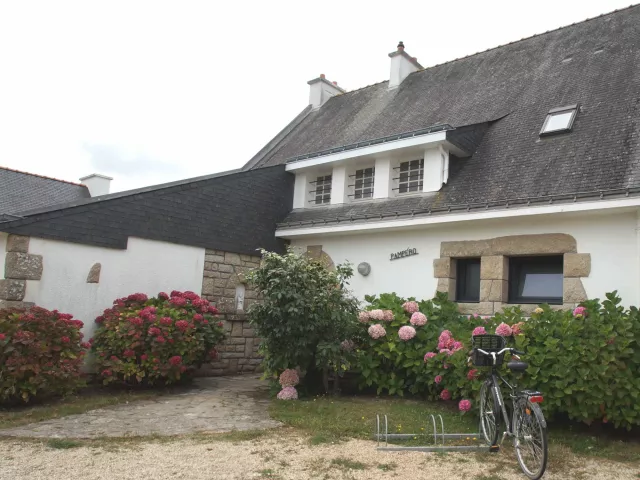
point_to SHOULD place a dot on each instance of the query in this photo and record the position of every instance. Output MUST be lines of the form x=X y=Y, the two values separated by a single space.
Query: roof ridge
x=500 y=46
x=41 y=176
x=532 y=36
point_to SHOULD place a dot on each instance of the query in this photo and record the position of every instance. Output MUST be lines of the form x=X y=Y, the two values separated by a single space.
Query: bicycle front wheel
x=530 y=431
x=489 y=413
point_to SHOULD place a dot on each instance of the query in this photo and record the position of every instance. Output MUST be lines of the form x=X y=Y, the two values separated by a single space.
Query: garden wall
x=223 y=283
x=610 y=242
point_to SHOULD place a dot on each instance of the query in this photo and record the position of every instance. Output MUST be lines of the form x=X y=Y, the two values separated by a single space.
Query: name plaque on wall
x=409 y=252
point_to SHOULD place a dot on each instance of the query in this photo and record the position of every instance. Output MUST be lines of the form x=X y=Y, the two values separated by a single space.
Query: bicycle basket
x=488 y=343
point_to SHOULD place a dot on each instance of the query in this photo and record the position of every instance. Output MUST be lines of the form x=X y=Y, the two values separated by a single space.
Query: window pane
x=363 y=187
x=536 y=279
x=558 y=121
x=468 y=280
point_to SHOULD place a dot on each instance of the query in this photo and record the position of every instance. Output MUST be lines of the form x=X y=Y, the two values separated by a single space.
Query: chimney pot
x=322 y=75
x=335 y=83
x=97 y=184
x=401 y=45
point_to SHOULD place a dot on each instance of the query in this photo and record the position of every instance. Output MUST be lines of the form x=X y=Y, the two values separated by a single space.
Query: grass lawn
x=85 y=400
x=332 y=419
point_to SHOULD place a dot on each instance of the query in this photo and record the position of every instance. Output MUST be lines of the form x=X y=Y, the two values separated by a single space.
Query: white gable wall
x=611 y=239
x=146 y=266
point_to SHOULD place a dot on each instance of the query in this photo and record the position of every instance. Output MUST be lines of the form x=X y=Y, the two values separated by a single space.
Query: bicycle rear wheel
x=530 y=431
x=489 y=413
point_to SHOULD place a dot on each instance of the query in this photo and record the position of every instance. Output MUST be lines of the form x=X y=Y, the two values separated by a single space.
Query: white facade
x=612 y=239
x=146 y=266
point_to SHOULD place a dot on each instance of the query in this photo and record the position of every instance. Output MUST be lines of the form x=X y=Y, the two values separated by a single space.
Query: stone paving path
x=220 y=404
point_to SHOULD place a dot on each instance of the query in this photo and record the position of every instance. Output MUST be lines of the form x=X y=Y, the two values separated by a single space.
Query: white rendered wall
x=3 y=249
x=611 y=239
x=146 y=266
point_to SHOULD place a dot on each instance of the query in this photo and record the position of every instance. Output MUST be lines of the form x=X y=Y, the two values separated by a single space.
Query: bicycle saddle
x=517 y=366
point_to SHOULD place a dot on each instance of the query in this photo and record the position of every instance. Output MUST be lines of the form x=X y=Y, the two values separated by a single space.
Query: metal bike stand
x=439 y=438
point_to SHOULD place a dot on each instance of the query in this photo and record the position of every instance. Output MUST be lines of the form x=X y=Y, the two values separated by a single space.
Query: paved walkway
x=220 y=404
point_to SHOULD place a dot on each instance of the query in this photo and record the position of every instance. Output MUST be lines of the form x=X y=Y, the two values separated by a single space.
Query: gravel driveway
x=281 y=454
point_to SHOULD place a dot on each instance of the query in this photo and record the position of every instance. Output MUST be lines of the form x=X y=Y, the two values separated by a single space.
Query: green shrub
x=305 y=314
x=41 y=354
x=586 y=365
x=143 y=340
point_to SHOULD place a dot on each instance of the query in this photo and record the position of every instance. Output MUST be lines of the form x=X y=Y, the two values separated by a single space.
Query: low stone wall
x=224 y=284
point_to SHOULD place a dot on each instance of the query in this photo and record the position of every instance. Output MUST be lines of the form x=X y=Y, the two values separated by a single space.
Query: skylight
x=559 y=120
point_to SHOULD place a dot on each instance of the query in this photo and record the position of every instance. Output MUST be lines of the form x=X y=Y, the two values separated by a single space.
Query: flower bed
x=585 y=361
x=41 y=353
x=143 y=340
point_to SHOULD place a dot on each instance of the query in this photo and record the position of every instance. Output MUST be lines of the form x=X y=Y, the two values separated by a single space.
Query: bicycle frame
x=498 y=391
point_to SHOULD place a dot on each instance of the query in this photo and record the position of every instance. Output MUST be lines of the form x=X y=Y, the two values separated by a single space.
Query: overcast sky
x=150 y=92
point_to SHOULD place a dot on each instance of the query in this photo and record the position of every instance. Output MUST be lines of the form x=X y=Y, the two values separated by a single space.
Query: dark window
x=468 y=280
x=411 y=174
x=322 y=192
x=535 y=279
x=559 y=120
x=363 y=187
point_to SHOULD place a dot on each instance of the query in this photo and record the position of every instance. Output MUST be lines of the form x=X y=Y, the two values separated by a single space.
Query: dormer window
x=411 y=176
x=363 y=186
x=322 y=192
x=559 y=120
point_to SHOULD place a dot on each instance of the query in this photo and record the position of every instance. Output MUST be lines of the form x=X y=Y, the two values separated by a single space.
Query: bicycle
x=527 y=426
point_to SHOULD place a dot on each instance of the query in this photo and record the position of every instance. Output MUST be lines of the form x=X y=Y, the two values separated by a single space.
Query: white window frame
x=321 y=189
x=367 y=186
x=572 y=109
x=409 y=181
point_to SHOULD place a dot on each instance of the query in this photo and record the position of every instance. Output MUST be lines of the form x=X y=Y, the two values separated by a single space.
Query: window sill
x=534 y=302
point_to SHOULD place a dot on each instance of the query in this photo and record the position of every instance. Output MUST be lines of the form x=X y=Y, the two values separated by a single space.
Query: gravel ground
x=284 y=455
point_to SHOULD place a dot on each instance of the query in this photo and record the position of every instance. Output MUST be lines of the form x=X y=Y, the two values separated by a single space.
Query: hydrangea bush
x=143 y=340
x=585 y=361
x=41 y=354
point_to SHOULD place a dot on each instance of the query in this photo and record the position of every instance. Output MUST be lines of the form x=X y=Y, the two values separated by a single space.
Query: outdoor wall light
x=364 y=269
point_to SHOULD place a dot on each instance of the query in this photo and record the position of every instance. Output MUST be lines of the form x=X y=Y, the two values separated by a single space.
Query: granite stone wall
x=19 y=266
x=224 y=284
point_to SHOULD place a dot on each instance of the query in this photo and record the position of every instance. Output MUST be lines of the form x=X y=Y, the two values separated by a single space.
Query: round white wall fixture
x=364 y=269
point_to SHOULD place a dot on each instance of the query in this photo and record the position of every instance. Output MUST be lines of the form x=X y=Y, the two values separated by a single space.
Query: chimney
x=401 y=66
x=322 y=90
x=97 y=184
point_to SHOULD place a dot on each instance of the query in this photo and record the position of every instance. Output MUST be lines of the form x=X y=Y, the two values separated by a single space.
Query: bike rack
x=439 y=438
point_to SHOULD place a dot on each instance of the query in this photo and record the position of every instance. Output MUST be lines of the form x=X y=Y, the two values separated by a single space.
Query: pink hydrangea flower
x=418 y=319
x=376 y=331
x=182 y=325
x=129 y=353
x=504 y=330
x=406 y=333
x=479 y=331
x=428 y=355
x=388 y=315
x=288 y=393
x=175 y=360
x=516 y=328
x=166 y=321
x=580 y=312
x=457 y=346
x=438 y=379
x=472 y=374
x=411 y=307
x=376 y=315
x=179 y=301
x=363 y=317
x=445 y=340
x=445 y=394
x=289 y=378
x=464 y=405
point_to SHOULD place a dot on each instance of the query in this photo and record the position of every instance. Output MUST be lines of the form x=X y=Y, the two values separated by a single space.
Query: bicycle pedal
x=494 y=448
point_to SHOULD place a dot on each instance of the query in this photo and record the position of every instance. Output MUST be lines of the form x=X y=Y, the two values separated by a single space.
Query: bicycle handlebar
x=512 y=350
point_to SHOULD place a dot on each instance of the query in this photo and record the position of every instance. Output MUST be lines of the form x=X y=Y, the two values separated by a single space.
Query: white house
x=508 y=177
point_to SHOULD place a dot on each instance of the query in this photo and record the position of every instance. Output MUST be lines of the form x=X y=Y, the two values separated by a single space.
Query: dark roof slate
x=511 y=88
x=233 y=211
x=21 y=191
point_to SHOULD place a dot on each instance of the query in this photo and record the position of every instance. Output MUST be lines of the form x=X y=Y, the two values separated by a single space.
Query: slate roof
x=21 y=191
x=233 y=211
x=511 y=88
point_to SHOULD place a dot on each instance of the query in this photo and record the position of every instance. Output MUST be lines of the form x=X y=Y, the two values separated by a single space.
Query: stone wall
x=19 y=266
x=224 y=284
x=494 y=268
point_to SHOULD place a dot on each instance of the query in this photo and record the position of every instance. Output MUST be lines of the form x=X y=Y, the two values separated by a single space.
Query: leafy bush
x=305 y=314
x=40 y=354
x=144 y=340
x=585 y=362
